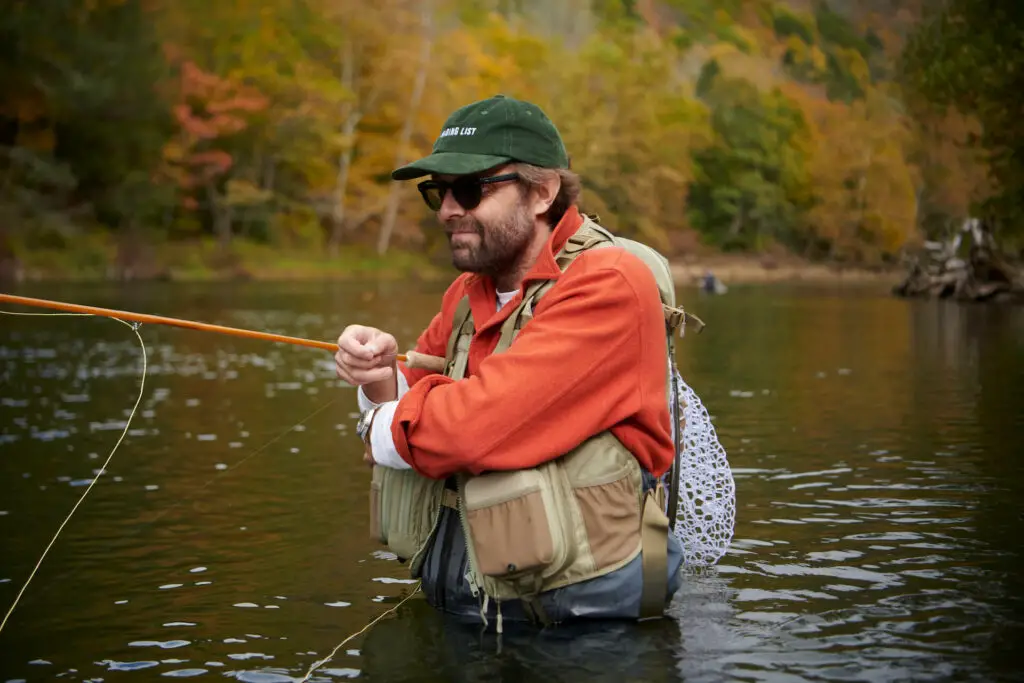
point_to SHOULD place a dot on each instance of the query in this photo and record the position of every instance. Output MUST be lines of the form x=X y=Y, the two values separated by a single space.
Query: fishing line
x=135 y=328
x=243 y=460
x=318 y=664
x=142 y=384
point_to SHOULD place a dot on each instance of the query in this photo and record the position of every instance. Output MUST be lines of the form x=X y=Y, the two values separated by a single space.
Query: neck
x=513 y=278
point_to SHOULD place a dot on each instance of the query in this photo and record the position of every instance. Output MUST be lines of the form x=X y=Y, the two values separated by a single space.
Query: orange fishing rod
x=411 y=359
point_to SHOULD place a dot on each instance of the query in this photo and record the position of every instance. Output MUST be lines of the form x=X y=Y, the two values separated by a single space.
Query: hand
x=365 y=355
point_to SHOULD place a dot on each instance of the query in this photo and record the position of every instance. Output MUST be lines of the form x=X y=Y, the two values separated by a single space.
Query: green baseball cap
x=489 y=133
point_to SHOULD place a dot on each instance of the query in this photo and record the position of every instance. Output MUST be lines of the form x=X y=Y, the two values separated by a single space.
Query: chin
x=465 y=262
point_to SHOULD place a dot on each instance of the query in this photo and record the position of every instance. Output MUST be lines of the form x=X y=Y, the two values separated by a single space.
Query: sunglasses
x=467 y=190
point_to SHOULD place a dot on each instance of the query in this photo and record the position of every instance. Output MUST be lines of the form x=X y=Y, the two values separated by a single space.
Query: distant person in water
x=514 y=483
x=711 y=284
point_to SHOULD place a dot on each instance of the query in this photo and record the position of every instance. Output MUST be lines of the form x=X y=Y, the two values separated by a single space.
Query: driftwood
x=982 y=274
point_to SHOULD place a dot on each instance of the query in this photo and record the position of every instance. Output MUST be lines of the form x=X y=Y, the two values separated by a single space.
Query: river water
x=875 y=443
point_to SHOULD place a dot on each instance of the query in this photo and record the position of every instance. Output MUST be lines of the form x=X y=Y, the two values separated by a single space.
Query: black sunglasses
x=467 y=190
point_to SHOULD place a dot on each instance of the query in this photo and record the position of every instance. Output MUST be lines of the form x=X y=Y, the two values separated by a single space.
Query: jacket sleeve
x=592 y=356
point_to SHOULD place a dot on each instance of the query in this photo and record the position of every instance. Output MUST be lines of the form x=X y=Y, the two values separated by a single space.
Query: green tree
x=751 y=185
x=82 y=122
x=970 y=56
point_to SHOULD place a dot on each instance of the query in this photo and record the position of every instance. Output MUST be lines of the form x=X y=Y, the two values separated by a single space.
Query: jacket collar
x=481 y=290
x=545 y=267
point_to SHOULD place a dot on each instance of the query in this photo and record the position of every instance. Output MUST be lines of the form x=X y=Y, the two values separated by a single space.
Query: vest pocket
x=404 y=507
x=605 y=480
x=513 y=523
x=611 y=517
x=375 y=512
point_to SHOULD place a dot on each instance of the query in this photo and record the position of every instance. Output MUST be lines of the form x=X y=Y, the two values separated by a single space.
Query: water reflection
x=874 y=446
x=433 y=648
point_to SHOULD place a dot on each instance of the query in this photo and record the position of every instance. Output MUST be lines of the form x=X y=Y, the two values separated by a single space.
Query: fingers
x=365 y=355
x=359 y=377
x=353 y=341
x=366 y=343
x=348 y=360
x=382 y=344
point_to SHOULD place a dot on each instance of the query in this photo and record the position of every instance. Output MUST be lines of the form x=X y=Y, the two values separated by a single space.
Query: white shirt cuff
x=382 y=445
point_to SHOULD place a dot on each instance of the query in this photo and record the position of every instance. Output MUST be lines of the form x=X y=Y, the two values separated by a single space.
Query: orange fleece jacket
x=592 y=358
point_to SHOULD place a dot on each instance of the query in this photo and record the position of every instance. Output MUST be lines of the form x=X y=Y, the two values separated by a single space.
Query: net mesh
x=706 y=511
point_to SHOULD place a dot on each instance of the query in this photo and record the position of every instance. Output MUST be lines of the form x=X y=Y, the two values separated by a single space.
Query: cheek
x=487 y=218
x=501 y=208
x=490 y=212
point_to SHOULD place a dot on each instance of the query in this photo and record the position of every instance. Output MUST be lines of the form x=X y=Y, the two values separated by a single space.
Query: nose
x=450 y=208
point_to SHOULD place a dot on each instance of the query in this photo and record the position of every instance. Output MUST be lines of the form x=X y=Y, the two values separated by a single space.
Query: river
x=876 y=446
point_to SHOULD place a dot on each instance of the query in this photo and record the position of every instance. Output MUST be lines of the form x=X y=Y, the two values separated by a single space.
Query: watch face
x=364 y=422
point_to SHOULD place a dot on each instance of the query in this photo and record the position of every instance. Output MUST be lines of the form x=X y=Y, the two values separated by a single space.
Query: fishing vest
x=575 y=518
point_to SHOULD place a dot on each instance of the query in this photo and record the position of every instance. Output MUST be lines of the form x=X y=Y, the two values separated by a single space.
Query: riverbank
x=200 y=262
x=752 y=269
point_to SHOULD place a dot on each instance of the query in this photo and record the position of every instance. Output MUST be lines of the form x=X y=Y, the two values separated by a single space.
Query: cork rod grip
x=423 y=361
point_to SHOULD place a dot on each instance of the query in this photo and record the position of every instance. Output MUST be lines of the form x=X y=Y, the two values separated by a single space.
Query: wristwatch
x=364 y=424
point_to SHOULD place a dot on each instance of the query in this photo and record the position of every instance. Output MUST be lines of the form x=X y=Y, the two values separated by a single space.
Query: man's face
x=489 y=238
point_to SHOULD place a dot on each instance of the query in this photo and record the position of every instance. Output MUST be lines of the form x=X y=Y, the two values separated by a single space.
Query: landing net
x=706 y=510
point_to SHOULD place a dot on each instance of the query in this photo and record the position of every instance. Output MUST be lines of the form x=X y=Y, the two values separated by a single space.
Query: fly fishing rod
x=412 y=359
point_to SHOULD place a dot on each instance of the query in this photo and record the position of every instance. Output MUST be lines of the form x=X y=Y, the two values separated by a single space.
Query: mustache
x=464 y=224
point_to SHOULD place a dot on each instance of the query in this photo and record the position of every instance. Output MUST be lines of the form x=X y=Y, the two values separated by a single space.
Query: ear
x=543 y=195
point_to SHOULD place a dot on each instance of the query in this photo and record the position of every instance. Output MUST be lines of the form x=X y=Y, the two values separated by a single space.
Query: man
x=517 y=481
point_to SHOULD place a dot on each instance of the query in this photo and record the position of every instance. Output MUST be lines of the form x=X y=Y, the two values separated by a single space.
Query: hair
x=568 y=192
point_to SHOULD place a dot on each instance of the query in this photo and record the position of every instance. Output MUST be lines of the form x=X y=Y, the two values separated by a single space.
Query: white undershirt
x=383 y=446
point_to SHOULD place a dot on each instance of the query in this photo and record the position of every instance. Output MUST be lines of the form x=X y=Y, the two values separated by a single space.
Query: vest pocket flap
x=602 y=459
x=499 y=487
x=512 y=526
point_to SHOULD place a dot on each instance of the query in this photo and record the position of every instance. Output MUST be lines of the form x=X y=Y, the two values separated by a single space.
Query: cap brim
x=449 y=163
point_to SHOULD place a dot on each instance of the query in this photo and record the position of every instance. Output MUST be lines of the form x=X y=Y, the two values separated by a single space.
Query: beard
x=497 y=248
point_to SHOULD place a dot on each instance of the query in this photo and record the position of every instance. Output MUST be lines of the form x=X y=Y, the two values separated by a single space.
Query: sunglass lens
x=467 y=193
x=433 y=195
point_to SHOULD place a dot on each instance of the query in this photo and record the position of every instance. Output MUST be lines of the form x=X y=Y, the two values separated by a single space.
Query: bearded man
x=517 y=481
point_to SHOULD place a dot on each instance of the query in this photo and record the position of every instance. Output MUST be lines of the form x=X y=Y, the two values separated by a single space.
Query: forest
x=141 y=137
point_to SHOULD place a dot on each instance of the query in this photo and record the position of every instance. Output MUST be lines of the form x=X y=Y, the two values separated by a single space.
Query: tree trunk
x=387 y=226
x=10 y=268
x=221 y=218
x=341 y=186
x=348 y=130
x=984 y=275
x=737 y=223
x=862 y=187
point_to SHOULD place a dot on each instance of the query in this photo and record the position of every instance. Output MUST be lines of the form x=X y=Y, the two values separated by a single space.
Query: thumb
x=382 y=344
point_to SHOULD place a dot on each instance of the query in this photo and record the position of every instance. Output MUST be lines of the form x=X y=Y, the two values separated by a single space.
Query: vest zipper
x=471 y=572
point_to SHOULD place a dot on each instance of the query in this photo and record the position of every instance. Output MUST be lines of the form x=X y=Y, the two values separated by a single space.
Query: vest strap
x=654 y=542
x=535 y=611
x=522 y=315
x=461 y=336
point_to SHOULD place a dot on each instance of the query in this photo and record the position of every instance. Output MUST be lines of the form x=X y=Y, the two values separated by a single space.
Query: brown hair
x=568 y=191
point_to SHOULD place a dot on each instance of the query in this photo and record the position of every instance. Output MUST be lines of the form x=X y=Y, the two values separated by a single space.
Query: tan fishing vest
x=528 y=531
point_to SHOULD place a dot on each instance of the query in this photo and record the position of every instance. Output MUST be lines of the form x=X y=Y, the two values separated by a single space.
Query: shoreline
x=306 y=266
x=752 y=270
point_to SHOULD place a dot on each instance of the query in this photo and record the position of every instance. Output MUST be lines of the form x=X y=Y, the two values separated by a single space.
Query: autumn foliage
x=754 y=126
x=211 y=110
